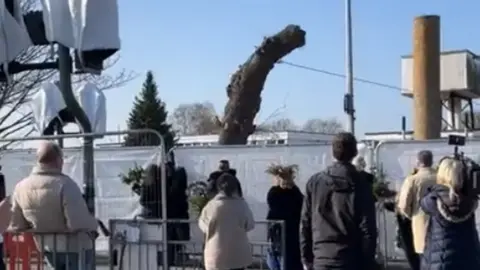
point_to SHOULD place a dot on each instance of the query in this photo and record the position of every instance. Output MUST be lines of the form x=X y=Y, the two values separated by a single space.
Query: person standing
x=50 y=204
x=284 y=201
x=338 y=225
x=452 y=240
x=225 y=221
x=413 y=189
x=223 y=167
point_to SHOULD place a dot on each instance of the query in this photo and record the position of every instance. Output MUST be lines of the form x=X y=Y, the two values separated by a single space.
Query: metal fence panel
x=397 y=159
x=113 y=199
x=35 y=250
x=138 y=244
x=251 y=162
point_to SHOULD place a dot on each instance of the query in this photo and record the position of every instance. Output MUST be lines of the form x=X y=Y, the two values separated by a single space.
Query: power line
x=340 y=75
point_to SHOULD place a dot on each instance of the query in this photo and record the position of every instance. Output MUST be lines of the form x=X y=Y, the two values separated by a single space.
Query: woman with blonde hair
x=284 y=201
x=452 y=241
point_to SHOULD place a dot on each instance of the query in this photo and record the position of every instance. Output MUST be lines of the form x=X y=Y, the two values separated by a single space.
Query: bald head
x=49 y=153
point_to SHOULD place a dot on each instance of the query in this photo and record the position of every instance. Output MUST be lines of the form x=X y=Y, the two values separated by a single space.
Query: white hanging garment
x=93 y=102
x=82 y=24
x=95 y=24
x=14 y=36
x=58 y=22
x=45 y=105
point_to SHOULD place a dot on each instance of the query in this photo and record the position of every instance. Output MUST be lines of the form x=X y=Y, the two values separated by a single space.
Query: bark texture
x=246 y=84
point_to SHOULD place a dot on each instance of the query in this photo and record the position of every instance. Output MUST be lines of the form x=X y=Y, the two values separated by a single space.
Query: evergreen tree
x=149 y=112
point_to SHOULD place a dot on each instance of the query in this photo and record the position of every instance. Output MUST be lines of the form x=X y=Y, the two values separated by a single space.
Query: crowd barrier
x=138 y=244
x=395 y=159
x=38 y=251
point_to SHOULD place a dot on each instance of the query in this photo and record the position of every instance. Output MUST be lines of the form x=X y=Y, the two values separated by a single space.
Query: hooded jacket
x=452 y=240
x=338 y=225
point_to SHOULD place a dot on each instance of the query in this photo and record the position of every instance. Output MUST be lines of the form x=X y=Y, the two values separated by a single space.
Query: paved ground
x=397 y=265
x=104 y=267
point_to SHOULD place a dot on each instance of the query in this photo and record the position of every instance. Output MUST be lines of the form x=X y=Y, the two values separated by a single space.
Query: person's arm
x=249 y=220
x=367 y=223
x=274 y=209
x=212 y=184
x=75 y=210
x=239 y=187
x=429 y=203
x=306 y=227
x=205 y=217
x=406 y=197
x=18 y=222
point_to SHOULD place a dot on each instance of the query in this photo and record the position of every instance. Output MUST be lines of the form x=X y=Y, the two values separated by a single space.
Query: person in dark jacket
x=284 y=203
x=223 y=167
x=151 y=193
x=452 y=240
x=338 y=225
x=360 y=163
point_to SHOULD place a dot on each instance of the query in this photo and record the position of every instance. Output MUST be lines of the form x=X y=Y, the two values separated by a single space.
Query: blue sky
x=193 y=46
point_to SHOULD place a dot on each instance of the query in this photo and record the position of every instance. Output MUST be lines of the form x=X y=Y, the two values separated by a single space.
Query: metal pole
x=65 y=70
x=349 y=67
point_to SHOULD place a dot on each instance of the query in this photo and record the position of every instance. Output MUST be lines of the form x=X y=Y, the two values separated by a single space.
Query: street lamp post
x=348 y=98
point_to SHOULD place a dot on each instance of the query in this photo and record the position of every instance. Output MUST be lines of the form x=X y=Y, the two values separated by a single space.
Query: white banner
x=251 y=163
x=113 y=199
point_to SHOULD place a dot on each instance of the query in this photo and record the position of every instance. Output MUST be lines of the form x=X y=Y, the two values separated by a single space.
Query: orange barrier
x=20 y=249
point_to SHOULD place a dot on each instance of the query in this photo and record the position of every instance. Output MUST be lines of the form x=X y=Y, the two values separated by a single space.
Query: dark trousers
x=406 y=240
x=2 y=263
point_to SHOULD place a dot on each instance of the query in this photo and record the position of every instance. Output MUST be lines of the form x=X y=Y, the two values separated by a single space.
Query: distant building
x=408 y=135
x=264 y=138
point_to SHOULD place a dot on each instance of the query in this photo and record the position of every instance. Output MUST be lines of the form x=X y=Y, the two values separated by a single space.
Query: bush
x=197 y=196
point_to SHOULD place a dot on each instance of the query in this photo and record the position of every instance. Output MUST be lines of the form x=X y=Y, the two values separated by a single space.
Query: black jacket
x=286 y=204
x=212 y=182
x=338 y=225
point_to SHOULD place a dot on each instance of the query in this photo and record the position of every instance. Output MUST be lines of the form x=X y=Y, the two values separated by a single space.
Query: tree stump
x=246 y=84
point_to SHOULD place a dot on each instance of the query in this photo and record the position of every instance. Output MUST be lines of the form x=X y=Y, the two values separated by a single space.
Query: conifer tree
x=149 y=112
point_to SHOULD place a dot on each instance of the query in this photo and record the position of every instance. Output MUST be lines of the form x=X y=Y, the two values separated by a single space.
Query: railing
x=138 y=244
x=34 y=250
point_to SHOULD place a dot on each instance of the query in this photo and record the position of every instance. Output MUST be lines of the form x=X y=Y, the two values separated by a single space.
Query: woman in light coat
x=225 y=221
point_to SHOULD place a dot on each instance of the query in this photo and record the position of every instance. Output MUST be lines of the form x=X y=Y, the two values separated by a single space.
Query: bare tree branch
x=327 y=126
x=14 y=96
x=283 y=124
x=108 y=81
x=194 y=119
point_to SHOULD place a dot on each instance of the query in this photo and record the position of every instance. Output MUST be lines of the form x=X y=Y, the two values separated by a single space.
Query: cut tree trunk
x=246 y=84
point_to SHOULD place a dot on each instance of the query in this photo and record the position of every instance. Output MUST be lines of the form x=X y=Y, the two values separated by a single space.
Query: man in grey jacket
x=338 y=226
x=50 y=204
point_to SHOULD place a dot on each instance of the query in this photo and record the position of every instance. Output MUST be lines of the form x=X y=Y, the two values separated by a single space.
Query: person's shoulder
x=316 y=179
x=214 y=175
x=67 y=183
x=23 y=184
x=274 y=190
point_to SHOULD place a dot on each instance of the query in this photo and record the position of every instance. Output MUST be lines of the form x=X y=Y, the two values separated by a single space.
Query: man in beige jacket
x=413 y=190
x=50 y=204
